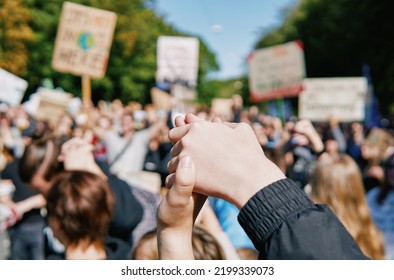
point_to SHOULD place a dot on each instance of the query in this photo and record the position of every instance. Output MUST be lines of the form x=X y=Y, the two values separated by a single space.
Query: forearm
x=317 y=144
x=284 y=223
x=34 y=202
x=155 y=128
x=255 y=174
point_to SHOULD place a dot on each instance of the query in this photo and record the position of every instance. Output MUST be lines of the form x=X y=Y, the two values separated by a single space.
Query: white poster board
x=343 y=98
x=177 y=60
x=83 y=40
x=277 y=71
x=12 y=88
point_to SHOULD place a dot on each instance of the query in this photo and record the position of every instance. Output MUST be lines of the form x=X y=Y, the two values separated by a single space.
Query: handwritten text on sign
x=83 y=40
x=177 y=60
x=343 y=98
x=276 y=71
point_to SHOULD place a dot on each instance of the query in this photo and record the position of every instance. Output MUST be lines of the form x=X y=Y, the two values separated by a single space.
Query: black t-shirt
x=22 y=190
x=128 y=211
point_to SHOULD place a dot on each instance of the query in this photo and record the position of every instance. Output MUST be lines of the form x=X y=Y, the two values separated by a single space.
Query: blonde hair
x=381 y=139
x=337 y=182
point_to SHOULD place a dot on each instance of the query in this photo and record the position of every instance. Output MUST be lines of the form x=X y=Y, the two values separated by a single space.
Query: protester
x=280 y=219
x=333 y=137
x=44 y=159
x=373 y=150
x=26 y=235
x=26 y=226
x=127 y=148
x=381 y=202
x=80 y=206
x=204 y=246
x=303 y=146
x=344 y=194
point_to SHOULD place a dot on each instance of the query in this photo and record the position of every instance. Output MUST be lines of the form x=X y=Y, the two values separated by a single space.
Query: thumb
x=191 y=118
x=183 y=185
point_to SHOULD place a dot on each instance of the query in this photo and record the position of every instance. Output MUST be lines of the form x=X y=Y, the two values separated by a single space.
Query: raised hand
x=230 y=163
x=177 y=212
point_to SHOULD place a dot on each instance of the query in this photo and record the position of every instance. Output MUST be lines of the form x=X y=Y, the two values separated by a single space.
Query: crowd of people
x=123 y=181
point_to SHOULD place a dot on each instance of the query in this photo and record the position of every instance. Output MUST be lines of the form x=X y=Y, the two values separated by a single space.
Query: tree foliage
x=14 y=34
x=132 y=63
x=339 y=37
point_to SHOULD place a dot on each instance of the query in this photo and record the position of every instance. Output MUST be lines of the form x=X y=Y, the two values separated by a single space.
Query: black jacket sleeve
x=284 y=223
x=128 y=211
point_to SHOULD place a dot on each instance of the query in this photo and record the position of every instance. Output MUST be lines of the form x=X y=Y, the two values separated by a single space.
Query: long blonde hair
x=337 y=182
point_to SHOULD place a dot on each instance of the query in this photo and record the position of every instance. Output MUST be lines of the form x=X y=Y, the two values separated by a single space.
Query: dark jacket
x=128 y=211
x=22 y=192
x=284 y=223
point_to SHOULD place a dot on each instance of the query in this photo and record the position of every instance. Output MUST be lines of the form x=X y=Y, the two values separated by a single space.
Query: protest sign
x=52 y=104
x=277 y=71
x=177 y=60
x=83 y=40
x=182 y=92
x=12 y=88
x=343 y=98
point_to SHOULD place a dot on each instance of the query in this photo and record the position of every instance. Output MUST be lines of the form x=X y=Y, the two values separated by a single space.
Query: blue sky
x=237 y=26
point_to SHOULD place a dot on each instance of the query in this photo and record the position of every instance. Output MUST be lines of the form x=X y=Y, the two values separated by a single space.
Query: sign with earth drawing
x=83 y=40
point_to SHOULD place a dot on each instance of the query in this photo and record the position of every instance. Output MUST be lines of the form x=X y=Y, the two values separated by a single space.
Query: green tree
x=14 y=35
x=339 y=37
x=132 y=63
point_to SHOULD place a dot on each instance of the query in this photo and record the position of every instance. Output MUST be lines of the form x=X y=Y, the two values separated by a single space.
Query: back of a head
x=40 y=155
x=80 y=206
x=146 y=247
x=204 y=244
x=337 y=182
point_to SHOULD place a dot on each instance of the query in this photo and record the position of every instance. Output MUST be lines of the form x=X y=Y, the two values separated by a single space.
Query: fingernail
x=186 y=161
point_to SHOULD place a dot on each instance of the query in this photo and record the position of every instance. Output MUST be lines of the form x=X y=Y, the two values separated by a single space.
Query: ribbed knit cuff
x=270 y=207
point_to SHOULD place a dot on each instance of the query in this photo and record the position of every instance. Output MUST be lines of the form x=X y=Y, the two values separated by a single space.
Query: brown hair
x=337 y=182
x=205 y=246
x=146 y=247
x=82 y=205
x=39 y=153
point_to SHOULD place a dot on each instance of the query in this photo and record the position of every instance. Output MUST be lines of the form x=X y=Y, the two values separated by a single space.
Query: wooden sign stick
x=86 y=89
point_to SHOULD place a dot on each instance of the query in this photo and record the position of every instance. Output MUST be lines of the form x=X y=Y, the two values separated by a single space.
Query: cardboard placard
x=182 y=92
x=277 y=71
x=52 y=105
x=83 y=40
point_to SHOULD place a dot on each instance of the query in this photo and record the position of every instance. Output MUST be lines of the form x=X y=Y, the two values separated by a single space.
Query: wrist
x=175 y=244
x=263 y=174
